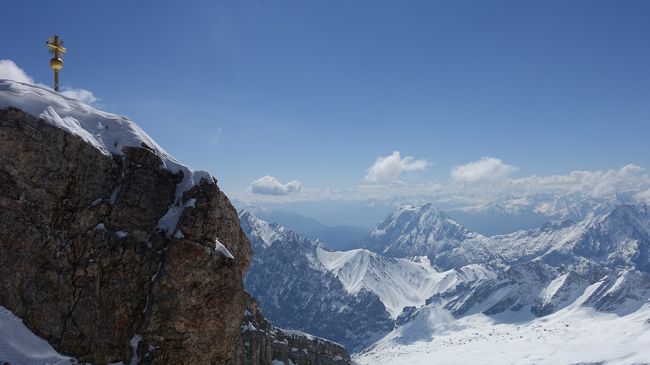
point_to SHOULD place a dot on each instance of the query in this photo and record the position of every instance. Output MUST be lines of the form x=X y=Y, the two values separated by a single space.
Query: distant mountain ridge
x=620 y=237
x=339 y=237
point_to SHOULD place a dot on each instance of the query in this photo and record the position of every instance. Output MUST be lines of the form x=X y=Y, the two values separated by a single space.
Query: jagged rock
x=262 y=343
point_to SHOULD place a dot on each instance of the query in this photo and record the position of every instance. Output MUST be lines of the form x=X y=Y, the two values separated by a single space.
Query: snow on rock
x=266 y=232
x=18 y=345
x=219 y=247
x=135 y=340
x=307 y=336
x=107 y=132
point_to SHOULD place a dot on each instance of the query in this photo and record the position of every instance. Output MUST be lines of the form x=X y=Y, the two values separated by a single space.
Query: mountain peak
x=416 y=231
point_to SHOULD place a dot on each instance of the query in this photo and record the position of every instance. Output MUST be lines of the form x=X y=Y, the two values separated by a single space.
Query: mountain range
x=426 y=269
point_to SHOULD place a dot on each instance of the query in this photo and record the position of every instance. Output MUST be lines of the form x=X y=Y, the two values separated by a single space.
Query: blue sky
x=316 y=91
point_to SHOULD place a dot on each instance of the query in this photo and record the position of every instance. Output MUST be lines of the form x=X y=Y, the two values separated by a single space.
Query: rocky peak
x=263 y=235
x=416 y=231
x=620 y=238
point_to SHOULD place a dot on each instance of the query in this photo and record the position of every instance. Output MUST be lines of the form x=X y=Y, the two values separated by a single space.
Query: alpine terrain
x=450 y=295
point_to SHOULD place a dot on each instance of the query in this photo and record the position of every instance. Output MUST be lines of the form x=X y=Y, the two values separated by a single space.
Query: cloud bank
x=268 y=185
x=544 y=194
x=389 y=169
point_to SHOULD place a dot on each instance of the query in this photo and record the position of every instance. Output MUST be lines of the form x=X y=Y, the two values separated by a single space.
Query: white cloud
x=487 y=169
x=10 y=71
x=268 y=185
x=388 y=169
x=82 y=95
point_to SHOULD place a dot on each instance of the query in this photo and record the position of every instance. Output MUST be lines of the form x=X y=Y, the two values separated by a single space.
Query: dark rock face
x=262 y=343
x=83 y=263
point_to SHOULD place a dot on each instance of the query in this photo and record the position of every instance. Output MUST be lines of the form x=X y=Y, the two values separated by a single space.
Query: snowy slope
x=109 y=133
x=398 y=283
x=19 y=346
x=576 y=334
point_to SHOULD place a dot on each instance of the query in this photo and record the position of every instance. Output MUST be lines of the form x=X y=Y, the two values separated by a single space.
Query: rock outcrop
x=108 y=253
x=263 y=343
x=86 y=265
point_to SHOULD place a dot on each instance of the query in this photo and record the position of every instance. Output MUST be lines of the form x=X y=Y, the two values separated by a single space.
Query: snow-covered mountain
x=417 y=231
x=618 y=238
x=339 y=237
x=399 y=283
x=548 y=283
x=352 y=297
x=296 y=291
x=436 y=278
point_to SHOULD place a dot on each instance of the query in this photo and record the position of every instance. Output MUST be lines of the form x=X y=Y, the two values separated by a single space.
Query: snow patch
x=219 y=247
x=179 y=234
x=135 y=340
x=575 y=334
x=18 y=345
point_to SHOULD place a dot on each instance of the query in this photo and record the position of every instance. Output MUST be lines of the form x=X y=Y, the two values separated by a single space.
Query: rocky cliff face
x=109 y=249
x=86 y=265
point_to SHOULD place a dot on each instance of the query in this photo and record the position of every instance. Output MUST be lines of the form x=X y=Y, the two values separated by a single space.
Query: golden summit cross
x=55 y=46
